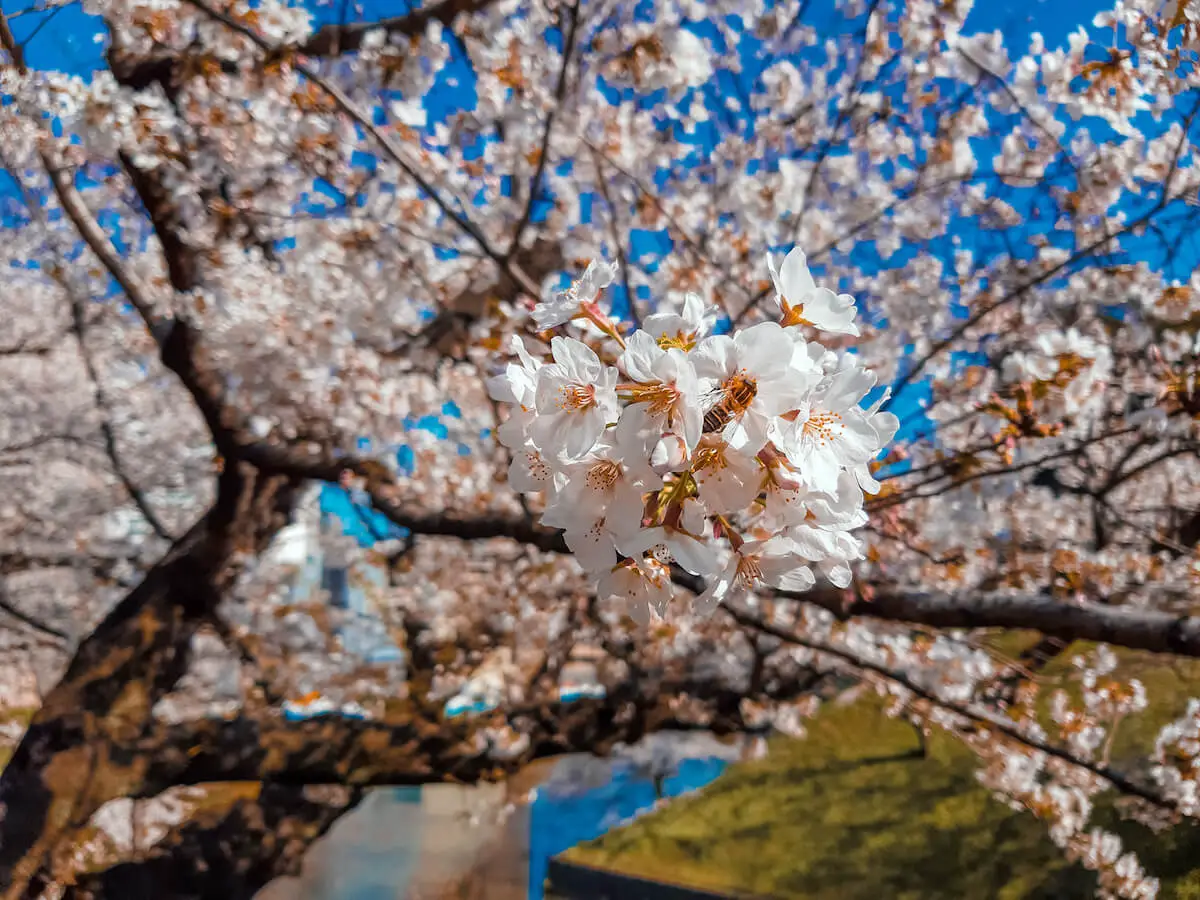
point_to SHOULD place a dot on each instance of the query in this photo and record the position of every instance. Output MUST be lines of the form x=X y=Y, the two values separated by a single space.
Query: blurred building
x=330 y=567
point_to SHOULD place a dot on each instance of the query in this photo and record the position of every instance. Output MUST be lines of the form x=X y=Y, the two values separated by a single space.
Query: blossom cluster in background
x=742 y=458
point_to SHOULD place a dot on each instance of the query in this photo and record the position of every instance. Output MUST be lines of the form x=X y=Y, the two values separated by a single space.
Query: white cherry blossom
x=609 y=481
x=774 y=562
x=830 y=431
x=683 y=329
x=530 y=472
x=671 y=544
x=644 y=585
x=801 y=302
x=575 y=400
x=728 y=479
x=575 y=301
x=516 y=386
x=671 y=446
x=662 y=392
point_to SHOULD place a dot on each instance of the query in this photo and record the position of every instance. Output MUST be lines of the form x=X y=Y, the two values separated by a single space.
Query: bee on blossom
x=756 y=375
x=729 y=401
x=738 y=458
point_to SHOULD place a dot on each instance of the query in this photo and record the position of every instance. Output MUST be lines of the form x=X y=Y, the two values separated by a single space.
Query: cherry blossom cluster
x=742 y=458
x=1176 y=752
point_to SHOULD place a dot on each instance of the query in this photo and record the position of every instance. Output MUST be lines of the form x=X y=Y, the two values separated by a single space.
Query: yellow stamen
x=659 y=398
x=576 y=396
x=823 y=427
x=793 y=315
x=603 y=475
x=748 y=573
x=680 y=340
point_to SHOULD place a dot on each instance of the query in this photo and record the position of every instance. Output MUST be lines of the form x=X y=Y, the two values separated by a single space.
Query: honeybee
x=733 y=398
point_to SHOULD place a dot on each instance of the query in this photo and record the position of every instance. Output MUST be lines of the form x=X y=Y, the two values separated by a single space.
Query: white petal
x=639 y=611
x=798 y=579
x=641 y=353
x=578 y=360
x=691 y=555
x=578 y=433
x=640 y=541
x=796 y=279
x=714 y=357
x=840 y=575
x=593 y=548
x=764 y=349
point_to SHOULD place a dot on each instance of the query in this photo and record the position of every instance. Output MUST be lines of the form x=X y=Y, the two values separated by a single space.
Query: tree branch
x=68 y=763
x=982 y=717
x=332 y=40
x=544 y=150
x=1135 y=628
x=230 y=854
x=425 y=748
x=34 y=623
x=390 y=150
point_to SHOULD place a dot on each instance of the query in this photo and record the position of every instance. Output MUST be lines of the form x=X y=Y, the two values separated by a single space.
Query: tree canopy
x=837 y=337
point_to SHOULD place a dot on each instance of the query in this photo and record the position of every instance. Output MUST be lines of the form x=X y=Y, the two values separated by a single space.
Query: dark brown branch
x=34 y=623
x=100 y=566
x=230 y=854
x=24 y=348
x=49 y=779
x=547 y=130
x=332 y=40
x=424 y=749
x=1138 y=629
x=347 y=107
x=328 y=467
x=182 y=260
x=1141 y=629
x=68 y=763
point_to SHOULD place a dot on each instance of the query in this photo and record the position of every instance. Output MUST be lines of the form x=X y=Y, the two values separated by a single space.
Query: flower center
x=793 y=315
x=654 y=573
x=680 y=340
x=748 y=573
x=603 y=475
x=576 y=397
x=538 y=470
x=710 y=458
x=823 y=427
x=659 y=398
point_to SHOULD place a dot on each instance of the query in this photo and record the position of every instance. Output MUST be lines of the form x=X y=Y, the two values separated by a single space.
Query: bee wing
x=712 y=396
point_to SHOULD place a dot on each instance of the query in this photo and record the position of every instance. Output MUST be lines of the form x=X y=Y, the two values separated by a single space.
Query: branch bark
x=70 y=761
x=425 y=749
x=332 y=40
x=1138 y=629
x=327 y=41
x=230 y=855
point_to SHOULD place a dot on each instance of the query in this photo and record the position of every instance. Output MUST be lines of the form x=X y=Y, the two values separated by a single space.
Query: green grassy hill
x=855 y=812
